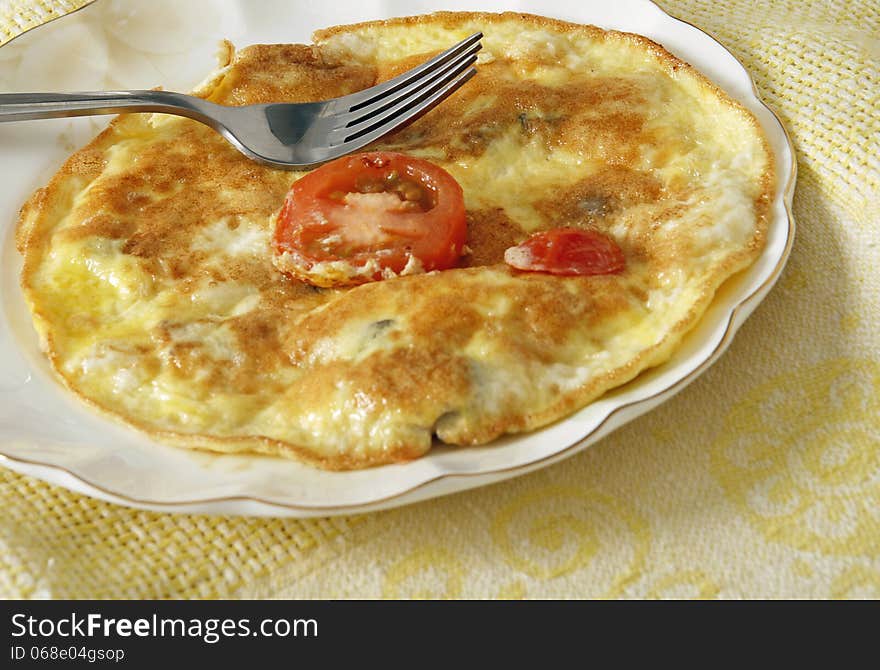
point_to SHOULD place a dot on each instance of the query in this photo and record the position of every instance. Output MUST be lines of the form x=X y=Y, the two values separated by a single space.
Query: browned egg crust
x=371 y=375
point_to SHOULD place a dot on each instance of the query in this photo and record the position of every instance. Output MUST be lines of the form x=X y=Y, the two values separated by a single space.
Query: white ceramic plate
x=47 y=433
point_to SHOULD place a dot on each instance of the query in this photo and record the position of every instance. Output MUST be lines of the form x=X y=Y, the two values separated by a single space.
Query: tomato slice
x=370 y=216
x=567 y=251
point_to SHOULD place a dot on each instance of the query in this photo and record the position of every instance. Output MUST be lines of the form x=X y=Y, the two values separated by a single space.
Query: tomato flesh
x=567 y=251
x=373 y=215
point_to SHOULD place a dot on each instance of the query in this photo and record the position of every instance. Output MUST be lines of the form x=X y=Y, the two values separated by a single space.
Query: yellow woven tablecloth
x=760 y=480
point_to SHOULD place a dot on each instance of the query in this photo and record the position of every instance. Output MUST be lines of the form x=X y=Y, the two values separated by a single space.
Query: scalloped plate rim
x=445 y=481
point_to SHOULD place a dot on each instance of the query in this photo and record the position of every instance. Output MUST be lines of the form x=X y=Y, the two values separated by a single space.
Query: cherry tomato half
x=567 y=251
x=366 y=216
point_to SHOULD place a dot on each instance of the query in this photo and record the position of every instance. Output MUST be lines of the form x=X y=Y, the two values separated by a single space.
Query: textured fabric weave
x=760 y=480
x=17 y=16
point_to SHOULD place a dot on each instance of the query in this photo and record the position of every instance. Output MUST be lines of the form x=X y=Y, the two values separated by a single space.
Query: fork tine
x=399 y=110
x=364 y=137
x=373 y=111
x=369 y=96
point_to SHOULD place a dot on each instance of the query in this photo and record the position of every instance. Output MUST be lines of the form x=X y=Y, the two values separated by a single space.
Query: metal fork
x=284 y=135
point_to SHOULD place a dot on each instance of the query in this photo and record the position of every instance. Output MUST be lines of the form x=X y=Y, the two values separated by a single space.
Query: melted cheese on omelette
x=147 y=260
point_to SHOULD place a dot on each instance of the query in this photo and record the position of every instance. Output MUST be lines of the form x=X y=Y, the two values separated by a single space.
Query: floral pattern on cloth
x=760 y=480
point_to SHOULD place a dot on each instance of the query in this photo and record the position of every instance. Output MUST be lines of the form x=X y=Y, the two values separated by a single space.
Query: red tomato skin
x=434 y=237
x=568 y=252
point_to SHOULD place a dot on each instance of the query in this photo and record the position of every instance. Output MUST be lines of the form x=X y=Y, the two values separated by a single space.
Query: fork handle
x=27 y=106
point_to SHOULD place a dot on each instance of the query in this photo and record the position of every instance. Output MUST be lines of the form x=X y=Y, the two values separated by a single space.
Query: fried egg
x=148 y=263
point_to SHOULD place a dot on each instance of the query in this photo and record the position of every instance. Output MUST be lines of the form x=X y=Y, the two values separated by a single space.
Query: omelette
x=150 y=271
